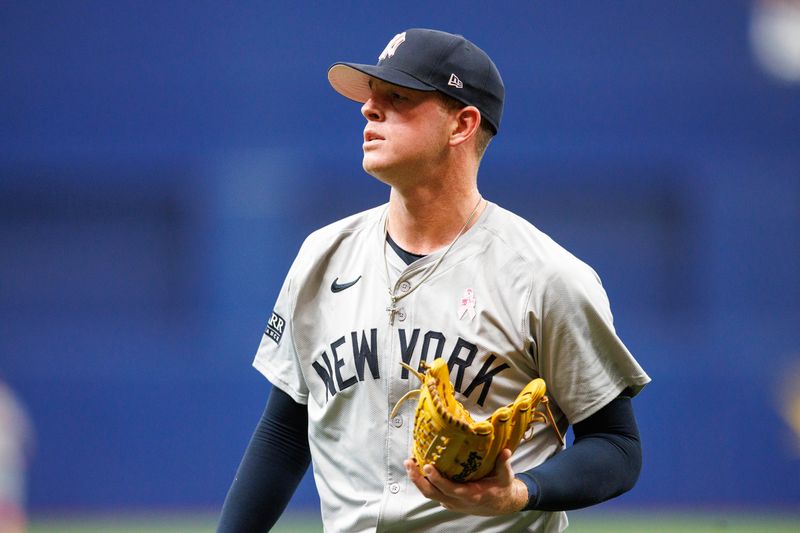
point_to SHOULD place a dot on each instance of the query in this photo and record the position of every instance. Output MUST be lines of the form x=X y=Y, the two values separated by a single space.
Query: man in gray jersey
x=437 y=272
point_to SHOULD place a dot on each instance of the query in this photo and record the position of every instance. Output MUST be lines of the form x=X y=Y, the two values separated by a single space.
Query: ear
x=466 y=123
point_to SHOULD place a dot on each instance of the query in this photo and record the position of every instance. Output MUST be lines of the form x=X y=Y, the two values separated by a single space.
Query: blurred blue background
x=161 y=162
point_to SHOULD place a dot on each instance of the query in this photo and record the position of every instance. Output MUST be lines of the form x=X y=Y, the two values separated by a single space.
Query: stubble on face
x=406 y=133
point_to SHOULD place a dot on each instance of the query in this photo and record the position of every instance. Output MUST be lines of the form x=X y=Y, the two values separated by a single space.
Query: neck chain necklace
x=392 y=309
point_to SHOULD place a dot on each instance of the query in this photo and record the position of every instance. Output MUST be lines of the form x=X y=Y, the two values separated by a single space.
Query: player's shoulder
x=350 y=223
x=521 y=238
x=338 y=233
x=532 y=248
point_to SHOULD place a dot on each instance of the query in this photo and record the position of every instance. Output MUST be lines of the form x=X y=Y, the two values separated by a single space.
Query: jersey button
x=401 y=314
x=394 y=488
x=405 y=286
x=397 y=421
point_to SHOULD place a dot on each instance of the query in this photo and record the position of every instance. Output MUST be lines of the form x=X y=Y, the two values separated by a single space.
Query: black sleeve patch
x=275 y=327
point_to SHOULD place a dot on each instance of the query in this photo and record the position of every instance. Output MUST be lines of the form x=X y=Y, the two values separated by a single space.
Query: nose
x=371 y=110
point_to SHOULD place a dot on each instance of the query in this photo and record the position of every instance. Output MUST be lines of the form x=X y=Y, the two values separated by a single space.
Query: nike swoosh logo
x=339 y=287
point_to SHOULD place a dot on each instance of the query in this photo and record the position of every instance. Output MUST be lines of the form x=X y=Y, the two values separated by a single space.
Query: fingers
x=432 y=484
x=492 y=495
x=422 y=483
x=440 y=482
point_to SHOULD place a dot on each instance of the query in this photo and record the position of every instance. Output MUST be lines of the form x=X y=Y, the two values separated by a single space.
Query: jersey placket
x=398 y=441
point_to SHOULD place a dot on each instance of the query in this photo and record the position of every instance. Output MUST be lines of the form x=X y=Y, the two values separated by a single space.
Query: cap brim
x=352 y=79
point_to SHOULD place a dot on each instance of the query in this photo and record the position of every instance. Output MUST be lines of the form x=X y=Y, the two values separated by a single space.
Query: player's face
x=406 y=134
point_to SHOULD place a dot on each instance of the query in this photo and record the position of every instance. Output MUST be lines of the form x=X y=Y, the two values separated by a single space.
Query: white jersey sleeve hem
x=637 y=384
x=280 y=383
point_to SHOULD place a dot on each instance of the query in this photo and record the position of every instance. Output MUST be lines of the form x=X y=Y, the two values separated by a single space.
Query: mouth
x=370 y=136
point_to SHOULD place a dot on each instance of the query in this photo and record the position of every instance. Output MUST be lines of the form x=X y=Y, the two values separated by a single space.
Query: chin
x=380 y=176
x=373 y=168
x=375 y=174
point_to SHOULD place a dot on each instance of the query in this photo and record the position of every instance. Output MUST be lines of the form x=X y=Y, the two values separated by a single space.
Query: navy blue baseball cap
x=429 y=60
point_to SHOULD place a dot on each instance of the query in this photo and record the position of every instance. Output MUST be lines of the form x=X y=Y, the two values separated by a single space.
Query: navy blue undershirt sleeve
x=273 y=464
x=603 y=462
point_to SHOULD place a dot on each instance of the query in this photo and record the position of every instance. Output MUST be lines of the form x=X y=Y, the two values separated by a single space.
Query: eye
x=398 y=96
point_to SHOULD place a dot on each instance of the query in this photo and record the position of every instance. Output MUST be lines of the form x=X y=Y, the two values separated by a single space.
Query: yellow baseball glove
x=461 y=449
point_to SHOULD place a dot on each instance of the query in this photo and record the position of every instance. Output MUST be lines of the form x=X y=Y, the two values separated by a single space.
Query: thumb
x=502 y=468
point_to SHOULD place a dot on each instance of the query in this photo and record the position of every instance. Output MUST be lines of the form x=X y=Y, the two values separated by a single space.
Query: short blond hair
x=485 y=133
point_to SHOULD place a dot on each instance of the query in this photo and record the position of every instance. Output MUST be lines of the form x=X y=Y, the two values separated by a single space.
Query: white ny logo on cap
x=391 y=48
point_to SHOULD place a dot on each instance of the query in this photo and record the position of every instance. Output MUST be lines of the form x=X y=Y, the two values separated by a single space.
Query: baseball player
x=437 y=272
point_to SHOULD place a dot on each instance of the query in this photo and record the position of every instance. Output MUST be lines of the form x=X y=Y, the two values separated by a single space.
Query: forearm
x=604 y=462
x=275 y=461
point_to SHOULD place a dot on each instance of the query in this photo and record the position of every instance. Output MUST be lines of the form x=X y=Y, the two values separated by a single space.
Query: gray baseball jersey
x=505 y=305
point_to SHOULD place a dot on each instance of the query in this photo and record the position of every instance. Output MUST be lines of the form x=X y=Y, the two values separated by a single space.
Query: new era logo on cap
x=455 y=82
